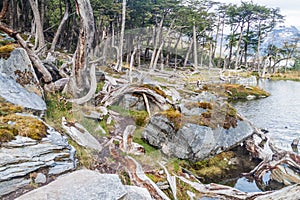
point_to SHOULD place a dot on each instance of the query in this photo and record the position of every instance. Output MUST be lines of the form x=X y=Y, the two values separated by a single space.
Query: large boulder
x=13 y=92
x=18 y=67
x=203 y=126
x=87 y=184
x=24 y=156
x=192 y=141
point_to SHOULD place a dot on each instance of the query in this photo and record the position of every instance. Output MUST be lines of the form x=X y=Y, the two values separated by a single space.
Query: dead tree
x=78 y=83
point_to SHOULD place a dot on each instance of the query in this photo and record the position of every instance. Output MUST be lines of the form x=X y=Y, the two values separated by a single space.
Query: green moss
x=155 y=177
x=125 y=178
x=182 y=189
x=139 y=116
x=214 y=168
x=85 y=156
x=7 y=133
x=100 y=86
x=204 y=105
x=236 y=91
x=175 y=117
x=6 y=49
x=8 y=108
x=27 y=126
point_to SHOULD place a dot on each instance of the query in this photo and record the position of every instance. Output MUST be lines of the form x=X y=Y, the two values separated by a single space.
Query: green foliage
x=139 y=116
x=57 y=107
x=137 y=138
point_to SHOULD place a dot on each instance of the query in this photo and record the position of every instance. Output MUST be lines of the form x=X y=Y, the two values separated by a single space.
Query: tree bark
x=238 y=48
x=38 y=25
x=4 y=8
x=195 y=47
x=84 y=48
x=122 y=35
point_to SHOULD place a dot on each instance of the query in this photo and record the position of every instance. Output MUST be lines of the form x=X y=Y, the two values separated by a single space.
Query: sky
x=289 y=8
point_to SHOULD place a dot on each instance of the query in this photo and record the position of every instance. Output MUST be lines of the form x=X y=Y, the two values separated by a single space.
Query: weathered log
x=171 y=180
x=92 y=90
x=138 y=176
x=125 y=89
x=282 y=163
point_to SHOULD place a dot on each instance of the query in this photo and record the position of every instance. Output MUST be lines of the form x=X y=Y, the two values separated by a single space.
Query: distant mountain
x=279 y=36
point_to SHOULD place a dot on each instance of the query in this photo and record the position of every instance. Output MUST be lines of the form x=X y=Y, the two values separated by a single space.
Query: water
x=279 y=113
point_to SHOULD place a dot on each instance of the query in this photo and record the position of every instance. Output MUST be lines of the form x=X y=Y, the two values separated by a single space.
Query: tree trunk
x=238 y=48
x=4 y=8
x=195 y=47
x=122 y=35
x=187 y=54
x=84 y=48
x=221 y=45
x=38 y=26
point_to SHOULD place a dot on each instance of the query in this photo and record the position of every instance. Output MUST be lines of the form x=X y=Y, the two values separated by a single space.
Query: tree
x=38 y=26
x=78 y=83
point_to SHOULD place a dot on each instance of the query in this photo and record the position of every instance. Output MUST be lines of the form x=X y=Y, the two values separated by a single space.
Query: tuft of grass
x=214 y=168
x=137 y=138
x=85 y=156
x=204 y=105
x=7 y=133
x=57 y=107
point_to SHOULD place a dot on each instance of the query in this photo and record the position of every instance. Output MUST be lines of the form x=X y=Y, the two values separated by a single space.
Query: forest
x=197 y=33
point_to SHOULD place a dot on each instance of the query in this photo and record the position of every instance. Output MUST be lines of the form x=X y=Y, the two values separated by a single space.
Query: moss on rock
x=236 y=91
x=27 y=126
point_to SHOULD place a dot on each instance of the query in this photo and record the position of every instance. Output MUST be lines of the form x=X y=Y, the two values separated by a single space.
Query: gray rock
x=23 y=155
x=137 y=193
x=190 y=112
x=80 y=135
x=129 y=101
x=13 y=185
x=18 y=67
x=78 y=185
x=13 y=92
x=158 y=131
x=192 y=141
x=40 y=178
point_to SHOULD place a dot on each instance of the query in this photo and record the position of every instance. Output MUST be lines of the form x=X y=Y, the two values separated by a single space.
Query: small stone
x=40 y=178
x=161 y=172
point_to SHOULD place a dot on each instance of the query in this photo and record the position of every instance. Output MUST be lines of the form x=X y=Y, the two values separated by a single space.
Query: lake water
x=279 y=113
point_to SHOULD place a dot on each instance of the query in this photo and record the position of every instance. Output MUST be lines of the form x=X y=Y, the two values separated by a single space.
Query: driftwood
x=171 y=180
x=125 y=89
x=92 y=90
x=220 y=191
x=138 y=176
x=282 y=164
